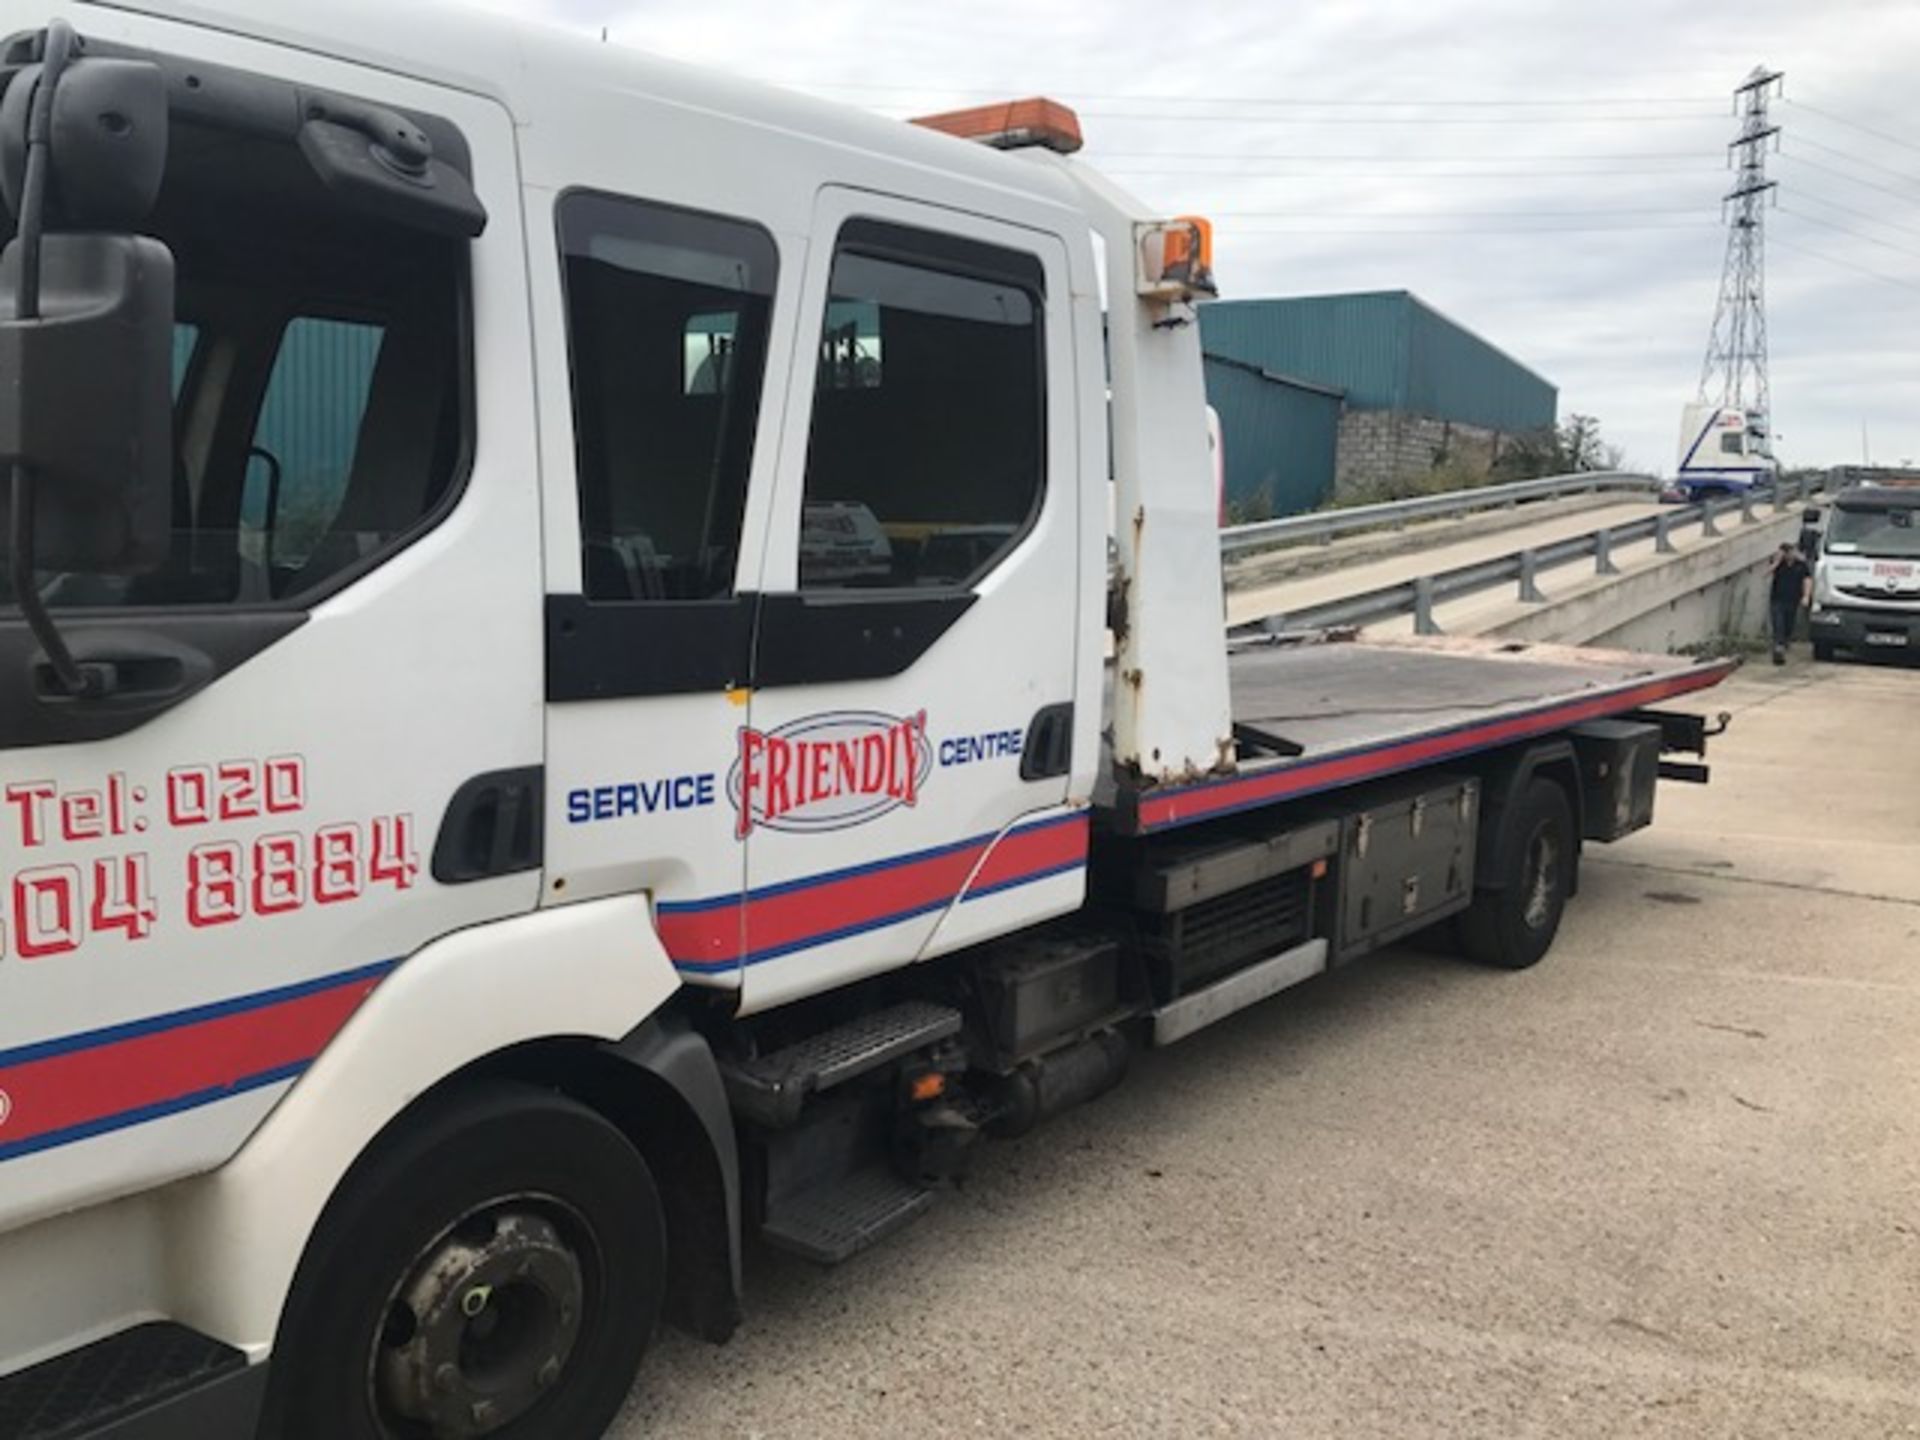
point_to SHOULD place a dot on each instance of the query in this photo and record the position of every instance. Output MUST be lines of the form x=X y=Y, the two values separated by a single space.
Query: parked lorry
x=1866 y=577
x=1724 y=450
x=469 y=862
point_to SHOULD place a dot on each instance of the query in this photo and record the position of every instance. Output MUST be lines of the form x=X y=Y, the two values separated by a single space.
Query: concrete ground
x=1667 y=1183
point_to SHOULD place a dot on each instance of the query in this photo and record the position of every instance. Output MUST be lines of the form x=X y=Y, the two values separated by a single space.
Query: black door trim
x=815 y=639
x=625 y=649
x=611 y=650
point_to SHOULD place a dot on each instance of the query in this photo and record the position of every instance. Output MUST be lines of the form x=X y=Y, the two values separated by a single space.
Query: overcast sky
x=1546 y=174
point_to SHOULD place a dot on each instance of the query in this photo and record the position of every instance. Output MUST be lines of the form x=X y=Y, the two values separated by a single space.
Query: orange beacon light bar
x=1011 y=125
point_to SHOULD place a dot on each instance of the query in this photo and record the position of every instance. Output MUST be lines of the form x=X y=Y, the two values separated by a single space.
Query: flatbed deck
x=1363 y=709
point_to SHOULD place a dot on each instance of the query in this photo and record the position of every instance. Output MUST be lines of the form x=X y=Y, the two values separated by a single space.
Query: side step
x=1239 y=990
x=831 y=1223
x=155 y=1379
x=771 y=1090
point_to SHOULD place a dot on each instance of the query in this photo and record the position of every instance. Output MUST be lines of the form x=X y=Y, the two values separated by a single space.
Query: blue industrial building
x=1332 y=394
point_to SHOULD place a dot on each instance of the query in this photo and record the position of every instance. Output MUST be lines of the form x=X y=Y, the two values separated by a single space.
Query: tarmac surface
x=1666 y=1183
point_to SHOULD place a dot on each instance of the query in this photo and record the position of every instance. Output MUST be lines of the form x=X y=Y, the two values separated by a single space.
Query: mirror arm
x=73 y=678
x=33 y=187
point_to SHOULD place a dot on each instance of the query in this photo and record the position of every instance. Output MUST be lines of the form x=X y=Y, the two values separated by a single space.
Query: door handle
x=1048 y=751
x=493 y=826
x=124 y=671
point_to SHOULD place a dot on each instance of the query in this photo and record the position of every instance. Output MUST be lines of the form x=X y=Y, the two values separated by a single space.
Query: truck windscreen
x=1889 y=531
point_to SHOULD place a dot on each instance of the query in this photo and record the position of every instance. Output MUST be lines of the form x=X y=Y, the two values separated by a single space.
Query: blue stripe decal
x=127 y=1119
x=1694 y=448
x=1014 y=884
x=219 y=1009
x=846 y=932
x=871 y=867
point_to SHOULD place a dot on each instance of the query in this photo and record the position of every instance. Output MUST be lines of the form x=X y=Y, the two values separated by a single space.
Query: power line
x=1431 y=214
x=1853 y=159
x=1343 y=102
x=1553 y=157
x=1847 y=264
x=1364 y=176
x=1363 y=172
x=1801 y=193
x=1850 y=230
x=1507 y=230
x=1843 y=175
x=1422 y=120
x=1854 y=125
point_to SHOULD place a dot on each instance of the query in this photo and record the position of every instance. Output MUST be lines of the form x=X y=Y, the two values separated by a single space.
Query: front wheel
x=1823 y=650
x=1513 y=926
x=493 y=1271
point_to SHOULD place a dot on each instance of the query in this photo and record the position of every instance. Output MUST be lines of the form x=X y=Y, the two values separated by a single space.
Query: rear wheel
x=1513 y=926
x=492 y=1272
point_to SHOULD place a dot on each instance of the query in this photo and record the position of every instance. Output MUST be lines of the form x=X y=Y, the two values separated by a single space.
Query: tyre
x=492 y=1271
x=1513 y=926
x=1823 y=650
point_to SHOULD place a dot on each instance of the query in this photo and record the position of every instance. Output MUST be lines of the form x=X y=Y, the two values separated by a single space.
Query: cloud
x=1580 y=237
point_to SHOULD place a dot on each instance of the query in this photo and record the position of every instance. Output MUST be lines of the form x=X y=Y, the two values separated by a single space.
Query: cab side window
x=667 y=319
x=926 y=459
x=304 y=442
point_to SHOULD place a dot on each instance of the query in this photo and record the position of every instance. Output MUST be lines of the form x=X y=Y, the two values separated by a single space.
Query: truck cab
x=1866 y=580
x=1724 y=450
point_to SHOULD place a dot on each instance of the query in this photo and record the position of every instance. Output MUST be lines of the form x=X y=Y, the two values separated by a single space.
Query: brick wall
x=1380 y=448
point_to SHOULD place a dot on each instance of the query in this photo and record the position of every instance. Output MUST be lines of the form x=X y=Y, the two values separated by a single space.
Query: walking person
x=1792 y=592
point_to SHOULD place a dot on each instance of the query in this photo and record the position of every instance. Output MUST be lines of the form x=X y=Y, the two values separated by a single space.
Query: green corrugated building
x=1331 y=395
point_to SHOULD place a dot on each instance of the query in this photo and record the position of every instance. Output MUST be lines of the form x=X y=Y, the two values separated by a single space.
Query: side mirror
x=86 y=399
x=86 y=310
x=106 y=137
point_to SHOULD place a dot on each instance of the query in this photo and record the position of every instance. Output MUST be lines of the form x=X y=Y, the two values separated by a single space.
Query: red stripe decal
x=779 y=922
x=1199 y=802
x=1028 y=854
x=705 y=938
x=82 y=1087
x=802 y=913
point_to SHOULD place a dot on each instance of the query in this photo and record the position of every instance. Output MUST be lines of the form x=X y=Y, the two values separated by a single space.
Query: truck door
x=900 y=783
x=663 y=330
x=204 y=873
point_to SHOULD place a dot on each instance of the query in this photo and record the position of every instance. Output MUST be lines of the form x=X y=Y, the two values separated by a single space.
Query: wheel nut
x=446 y=1379
x=549 y=1373
x=475 y=1300
x=482 y=1412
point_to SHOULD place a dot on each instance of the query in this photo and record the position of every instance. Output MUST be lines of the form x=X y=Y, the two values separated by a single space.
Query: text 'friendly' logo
x=829 y=771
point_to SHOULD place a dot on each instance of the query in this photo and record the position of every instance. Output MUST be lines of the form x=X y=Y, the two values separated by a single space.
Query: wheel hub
x=482 y=1326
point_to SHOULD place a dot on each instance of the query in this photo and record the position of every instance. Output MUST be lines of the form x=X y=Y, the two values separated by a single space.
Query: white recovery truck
x=1866 y=578
x=467 y=868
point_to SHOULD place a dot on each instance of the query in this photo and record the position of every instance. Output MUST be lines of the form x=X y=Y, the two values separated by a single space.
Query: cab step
x=771 y=1090
x=830 y=1223
x=154 y=1379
